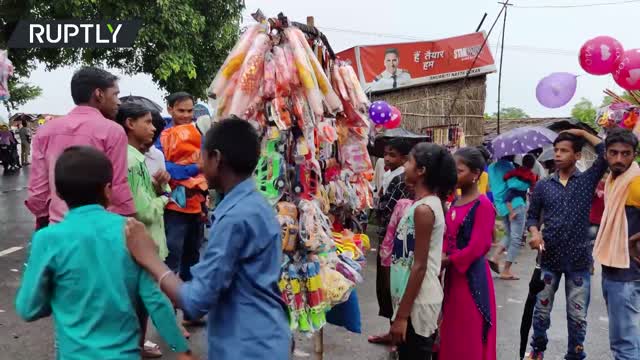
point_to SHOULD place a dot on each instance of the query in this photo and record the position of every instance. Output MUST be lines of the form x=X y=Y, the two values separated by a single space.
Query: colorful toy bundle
x=6 y=70
x=620 y=113
x=314 y=161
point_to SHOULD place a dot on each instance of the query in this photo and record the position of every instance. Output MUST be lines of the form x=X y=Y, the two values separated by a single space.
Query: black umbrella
x=536 y=284
x=141 y=100
x=381 y=140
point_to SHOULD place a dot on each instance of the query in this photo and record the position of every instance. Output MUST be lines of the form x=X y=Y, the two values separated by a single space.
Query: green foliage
x=585 y=112
x=181 y=43
x=511 y=113
x=21 y=93
x=607 y=100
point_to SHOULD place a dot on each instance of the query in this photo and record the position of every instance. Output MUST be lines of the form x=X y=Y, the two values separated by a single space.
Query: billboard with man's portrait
x=391 y=66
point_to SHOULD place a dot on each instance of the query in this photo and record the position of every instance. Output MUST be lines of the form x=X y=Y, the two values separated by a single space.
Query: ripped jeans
x=578 y=294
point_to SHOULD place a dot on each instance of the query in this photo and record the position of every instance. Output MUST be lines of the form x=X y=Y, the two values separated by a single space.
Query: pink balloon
x=396 y=119
x=598 y=55
x=627 y=70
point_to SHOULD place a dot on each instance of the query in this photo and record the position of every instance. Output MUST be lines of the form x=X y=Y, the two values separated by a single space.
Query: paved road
x=19 y=340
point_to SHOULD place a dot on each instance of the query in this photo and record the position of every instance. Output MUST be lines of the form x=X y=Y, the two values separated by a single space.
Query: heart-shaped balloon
x=627 y=70
x=396 y=119
x=599 y=55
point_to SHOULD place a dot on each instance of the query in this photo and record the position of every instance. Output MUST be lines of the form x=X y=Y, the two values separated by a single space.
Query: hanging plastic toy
x=6 y=70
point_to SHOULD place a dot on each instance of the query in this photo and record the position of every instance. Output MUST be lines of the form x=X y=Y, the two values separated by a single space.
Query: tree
x=181 y=43
x=511 y=113
x=585 y=112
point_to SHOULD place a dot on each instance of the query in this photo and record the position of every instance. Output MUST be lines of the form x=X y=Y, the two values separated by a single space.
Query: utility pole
x=504 y=27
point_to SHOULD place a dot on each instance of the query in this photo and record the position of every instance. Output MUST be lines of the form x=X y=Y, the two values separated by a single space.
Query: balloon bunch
x=605 y=55
x=381 y=113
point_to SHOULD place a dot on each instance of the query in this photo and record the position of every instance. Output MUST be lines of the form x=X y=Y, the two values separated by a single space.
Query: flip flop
x=380 y=339
x=151 y=350
x=494 y=266
x=512 y=277
x=194 y=323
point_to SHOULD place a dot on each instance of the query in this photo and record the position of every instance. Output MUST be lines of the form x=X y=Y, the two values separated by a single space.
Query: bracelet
x=166 y=273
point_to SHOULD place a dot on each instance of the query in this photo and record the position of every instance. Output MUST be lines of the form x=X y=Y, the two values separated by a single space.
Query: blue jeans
x=578 y=295
x=514 y=229
x=184 y=238
x=623 y=306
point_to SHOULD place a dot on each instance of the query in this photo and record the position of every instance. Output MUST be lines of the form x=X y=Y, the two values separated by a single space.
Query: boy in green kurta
x=80 y=271
x=150 y=194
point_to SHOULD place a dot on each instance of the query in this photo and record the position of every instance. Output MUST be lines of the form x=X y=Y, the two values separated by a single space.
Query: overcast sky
x=538 y=41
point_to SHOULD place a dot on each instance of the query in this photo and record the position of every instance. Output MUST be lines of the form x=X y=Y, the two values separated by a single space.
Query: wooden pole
x=504 y=27
x=318 y=336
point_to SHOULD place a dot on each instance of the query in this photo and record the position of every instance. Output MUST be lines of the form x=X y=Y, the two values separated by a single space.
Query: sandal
x=380 y=339
x=151 y=350
x=510 y=277
x=494 y=266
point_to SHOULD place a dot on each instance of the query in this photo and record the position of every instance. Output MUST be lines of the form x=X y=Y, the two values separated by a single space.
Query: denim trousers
x=184 y=238
x=578 y=295
x=514 y=232
x=623 y=307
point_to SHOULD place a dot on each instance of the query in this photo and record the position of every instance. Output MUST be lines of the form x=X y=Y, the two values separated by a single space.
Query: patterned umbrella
x=522 y=140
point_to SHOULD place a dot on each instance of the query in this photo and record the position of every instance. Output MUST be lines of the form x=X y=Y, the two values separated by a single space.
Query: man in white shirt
x=392 y=76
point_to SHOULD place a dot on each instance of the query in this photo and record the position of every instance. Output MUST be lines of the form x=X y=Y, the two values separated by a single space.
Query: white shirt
x=154 y=159
x=389 y=175
x=384 y=81
x=428 y=303
x=379 y=174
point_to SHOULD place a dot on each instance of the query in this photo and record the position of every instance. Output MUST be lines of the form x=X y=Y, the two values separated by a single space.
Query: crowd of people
x=568 y=214
x=121 y=198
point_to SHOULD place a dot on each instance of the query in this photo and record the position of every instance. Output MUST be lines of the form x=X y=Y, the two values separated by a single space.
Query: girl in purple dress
x=469 y=306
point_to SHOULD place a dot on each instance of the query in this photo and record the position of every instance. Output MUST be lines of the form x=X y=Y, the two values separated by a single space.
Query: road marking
x=12 y=190
x=14 y=270
x=603 y=319
x=514 y=301
x=10 y=250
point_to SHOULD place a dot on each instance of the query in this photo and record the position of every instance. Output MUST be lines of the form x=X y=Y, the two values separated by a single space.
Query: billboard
x=391 y=66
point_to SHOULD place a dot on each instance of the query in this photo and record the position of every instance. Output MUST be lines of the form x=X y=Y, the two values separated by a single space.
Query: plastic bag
x=251 y=75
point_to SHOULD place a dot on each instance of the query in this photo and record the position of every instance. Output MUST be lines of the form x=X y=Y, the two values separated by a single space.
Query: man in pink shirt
x=95 y=92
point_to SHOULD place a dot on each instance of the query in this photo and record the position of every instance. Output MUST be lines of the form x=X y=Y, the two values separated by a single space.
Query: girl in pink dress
x=468 y=329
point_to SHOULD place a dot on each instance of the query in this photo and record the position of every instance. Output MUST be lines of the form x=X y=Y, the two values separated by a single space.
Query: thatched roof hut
x=429 y=106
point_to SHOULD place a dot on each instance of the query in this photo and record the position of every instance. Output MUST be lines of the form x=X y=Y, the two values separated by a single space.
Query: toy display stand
x=311 y=113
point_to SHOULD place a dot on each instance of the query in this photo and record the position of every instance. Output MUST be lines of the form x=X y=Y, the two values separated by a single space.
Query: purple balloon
x=556 y=90
x=380 y=112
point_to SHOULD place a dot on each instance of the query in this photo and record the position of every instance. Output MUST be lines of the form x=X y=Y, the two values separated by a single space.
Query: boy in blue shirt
x=236 y=281
x=79 y=271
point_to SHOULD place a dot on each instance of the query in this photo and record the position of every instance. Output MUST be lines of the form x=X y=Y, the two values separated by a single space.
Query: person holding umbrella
x=561 y=204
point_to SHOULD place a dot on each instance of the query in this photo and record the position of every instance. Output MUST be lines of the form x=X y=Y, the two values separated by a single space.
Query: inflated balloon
x=556 y=90
x=396 y=119
x=598 y=55
x=627 y=70
x=380 y=112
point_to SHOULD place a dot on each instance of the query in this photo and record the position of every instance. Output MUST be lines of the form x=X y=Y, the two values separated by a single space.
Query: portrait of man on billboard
x=392 y=76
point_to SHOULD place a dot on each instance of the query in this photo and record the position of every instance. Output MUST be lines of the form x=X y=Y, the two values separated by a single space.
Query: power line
x=519 y=48
x=576 y=5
